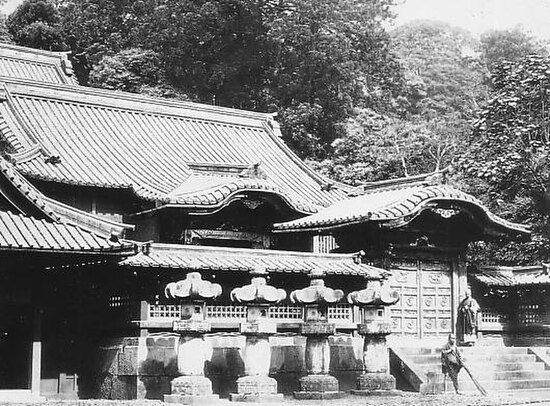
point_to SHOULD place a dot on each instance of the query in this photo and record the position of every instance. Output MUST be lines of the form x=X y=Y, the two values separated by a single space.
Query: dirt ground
x=405 y=399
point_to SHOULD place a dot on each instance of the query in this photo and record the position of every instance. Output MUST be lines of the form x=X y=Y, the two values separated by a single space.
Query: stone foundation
x=375 y=382
x=256 y=384
x=256 y=389
x=318 y=387
x=143 y=367
x=191 y=386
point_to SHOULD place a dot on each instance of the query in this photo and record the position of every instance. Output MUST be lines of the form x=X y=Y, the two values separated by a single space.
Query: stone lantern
x=192 y=387
x=257 y=386
x=374 y=327
x=316 y=298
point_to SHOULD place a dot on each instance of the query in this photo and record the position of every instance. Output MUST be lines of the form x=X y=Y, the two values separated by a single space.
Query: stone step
x=497 y=368
x=465 y=350
x=429 y=359
x=502 y=375
x=467 y=385
x=481 y=366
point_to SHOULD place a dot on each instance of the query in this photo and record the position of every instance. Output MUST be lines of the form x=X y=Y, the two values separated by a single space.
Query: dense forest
x=358 y=101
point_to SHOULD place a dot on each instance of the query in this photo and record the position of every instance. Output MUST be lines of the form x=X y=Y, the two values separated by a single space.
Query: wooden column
x=36 y=352
x=143 y=316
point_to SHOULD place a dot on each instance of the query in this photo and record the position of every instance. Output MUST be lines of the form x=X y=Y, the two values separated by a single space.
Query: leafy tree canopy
x=508 y=45
x=508 y=160
x=36 y=23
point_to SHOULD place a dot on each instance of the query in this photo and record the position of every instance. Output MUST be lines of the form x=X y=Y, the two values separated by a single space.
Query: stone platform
x=319 y=387
x=261 y=389
x=191 y=390
x=375 y=382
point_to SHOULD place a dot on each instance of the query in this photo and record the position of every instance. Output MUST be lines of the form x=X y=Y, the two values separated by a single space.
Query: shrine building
x=107 y=197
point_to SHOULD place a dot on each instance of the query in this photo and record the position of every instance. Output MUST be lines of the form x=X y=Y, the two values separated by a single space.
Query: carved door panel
x=436 y=299
x=425 y=307
x=405 y=313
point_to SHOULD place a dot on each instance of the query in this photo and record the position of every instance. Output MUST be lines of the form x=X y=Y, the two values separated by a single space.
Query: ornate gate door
x=425 y=308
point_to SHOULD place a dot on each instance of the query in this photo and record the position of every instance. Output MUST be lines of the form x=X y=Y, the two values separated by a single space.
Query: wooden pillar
x=36 y=352
x=143 y=316
x=460 y=283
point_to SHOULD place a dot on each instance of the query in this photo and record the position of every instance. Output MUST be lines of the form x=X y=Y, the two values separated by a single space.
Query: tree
x=445 y=70
x=36 y=24
x=508 y=45
x=378 y=147
x=330 y=57
x=508 y=160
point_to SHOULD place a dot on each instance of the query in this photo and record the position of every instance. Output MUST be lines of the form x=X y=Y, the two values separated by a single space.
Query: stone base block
x=375 y=382
x=191 y=386
x=318 y=395
x=256 y=398
x=192 y=400
x=319 y=383
x=257 y=385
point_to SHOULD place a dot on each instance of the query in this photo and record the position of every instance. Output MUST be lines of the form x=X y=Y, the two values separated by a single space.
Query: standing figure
x=451 y=361
x=468 y=312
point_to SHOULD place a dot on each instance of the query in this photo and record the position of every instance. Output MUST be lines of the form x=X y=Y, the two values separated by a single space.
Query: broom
x=480 y=388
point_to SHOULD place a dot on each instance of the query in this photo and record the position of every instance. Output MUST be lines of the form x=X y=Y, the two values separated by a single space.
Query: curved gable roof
x=152 y=146
x=396 y=204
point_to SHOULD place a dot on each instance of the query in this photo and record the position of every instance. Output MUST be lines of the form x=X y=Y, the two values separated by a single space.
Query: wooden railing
x=492 y=320
x=338 y=314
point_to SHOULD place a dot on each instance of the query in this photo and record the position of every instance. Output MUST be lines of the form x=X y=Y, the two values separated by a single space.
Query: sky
x=10 y=6
x=479 y=16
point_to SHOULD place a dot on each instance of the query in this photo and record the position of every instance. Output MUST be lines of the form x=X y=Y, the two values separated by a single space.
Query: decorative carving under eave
x=193 y=287
x=258 y=292
x=446 y=213
x=316 y=292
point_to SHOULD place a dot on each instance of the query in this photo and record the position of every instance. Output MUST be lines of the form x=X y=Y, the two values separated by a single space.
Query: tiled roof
x=36 y=65
x=18 y=232
x=162 y=150
x=514 y=276
x=42 y=224
x=28 y=200
x=393 y=201
x=190 y=257
x=22 y=195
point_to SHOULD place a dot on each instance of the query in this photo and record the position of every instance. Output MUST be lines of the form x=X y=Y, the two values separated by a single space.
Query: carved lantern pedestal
x=257 y=386
x=375 y=326
x=192 y=387
x=318 y=384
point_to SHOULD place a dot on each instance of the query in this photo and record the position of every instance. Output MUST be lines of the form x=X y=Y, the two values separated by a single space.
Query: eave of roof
x=188 y=257
x=50 y=209
x=23 y=233
x=119 y=140
x=36 y=65
x=506 y=277
x=393 y=202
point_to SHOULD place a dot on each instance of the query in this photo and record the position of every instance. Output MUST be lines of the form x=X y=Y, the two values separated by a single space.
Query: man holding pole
x=451 y=361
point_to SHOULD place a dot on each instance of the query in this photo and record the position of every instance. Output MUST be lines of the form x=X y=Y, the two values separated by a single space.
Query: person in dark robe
x=468 y=313
x=451 y=361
